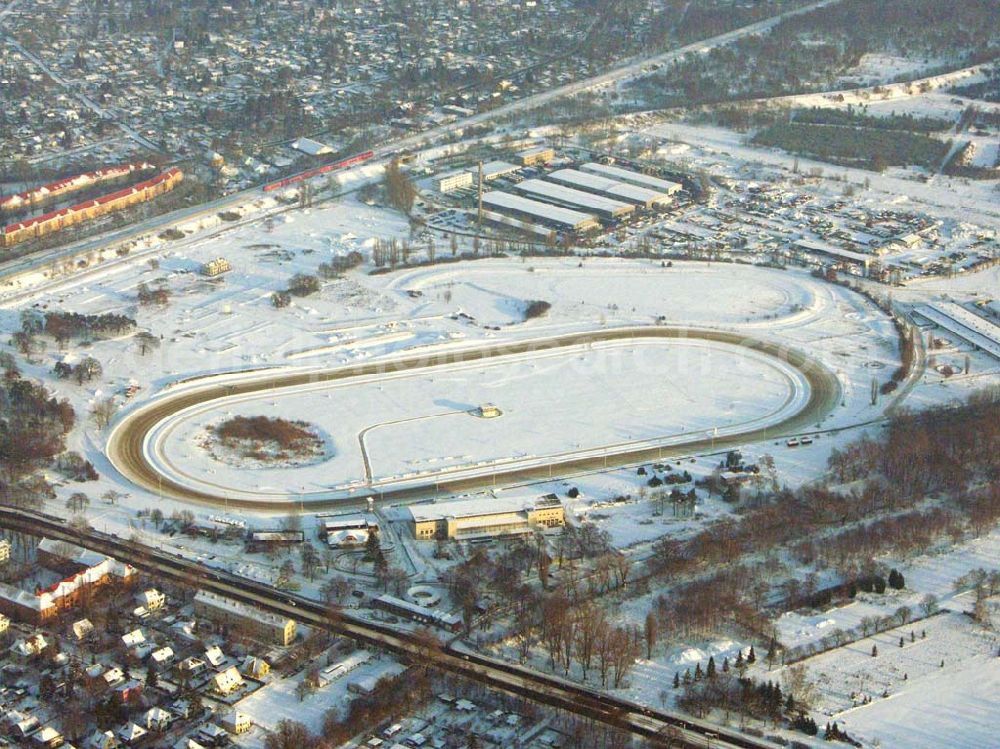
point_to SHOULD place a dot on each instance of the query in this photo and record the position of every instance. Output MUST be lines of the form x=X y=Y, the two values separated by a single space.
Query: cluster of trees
x=736 y=694
x=908 y=122
x=808 y=52
x=338 y=266
x=34 y=429
x=85 y=370
x=536 y=308
x=952 y=453
x=149 y=297
x=866 y=147
x=942 y=450
x=731 y=598
x=67 y=326
x=287 y=435
x=301 y=284
x=917 y=28
x=400 y=192
x=582 y=635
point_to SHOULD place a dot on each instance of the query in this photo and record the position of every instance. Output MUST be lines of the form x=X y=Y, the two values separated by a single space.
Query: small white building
x=452 y=181
x=311 y=147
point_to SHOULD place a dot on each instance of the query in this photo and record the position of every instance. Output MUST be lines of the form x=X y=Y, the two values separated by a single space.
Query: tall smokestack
x=479 y=216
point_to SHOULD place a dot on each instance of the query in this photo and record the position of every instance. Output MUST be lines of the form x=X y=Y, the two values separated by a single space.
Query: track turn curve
x=127 y=453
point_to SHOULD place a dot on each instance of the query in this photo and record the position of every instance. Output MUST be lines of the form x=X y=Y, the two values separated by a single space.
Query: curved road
x=126 y=447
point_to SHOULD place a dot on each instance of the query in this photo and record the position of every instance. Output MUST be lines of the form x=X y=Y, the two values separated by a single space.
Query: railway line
x=128 y=443
x=661 y=727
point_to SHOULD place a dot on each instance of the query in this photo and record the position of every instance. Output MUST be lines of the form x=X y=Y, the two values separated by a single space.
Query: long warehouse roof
x=563 y=216
x=975 y=329
x=552 y=191
x=608 y=186
x=517 y=223
x=633 y=178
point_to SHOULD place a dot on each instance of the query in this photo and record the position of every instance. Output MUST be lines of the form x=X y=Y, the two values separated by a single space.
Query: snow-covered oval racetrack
x=135 y=446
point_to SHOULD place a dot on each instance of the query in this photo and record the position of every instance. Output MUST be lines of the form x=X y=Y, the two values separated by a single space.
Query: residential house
x=157 y=719
x=82 y=629
x=236 y=723
x=256 y=668
x=228 y=681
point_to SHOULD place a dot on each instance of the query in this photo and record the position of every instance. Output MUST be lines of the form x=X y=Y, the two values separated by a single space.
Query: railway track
x=127 y=444
x=661 y=727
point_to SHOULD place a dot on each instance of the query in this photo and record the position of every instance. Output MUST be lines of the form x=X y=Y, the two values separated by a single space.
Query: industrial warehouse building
x=453 y=181
x=485 y=518
x=564 y=219
x=536 y=155
x=576 y=199
x=545 y=233
x=495 y=169
x=229 y=613
x=632 y=178
x=598 y=185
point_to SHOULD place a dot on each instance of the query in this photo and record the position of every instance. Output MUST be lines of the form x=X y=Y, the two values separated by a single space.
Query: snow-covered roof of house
x=215 y=656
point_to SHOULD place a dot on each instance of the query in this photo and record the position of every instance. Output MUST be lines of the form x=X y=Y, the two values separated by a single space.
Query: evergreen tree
x=711 y=668
x=874 y=651
x=697 y=672
x=677 y=680
x=751 y=656
x=725 y=665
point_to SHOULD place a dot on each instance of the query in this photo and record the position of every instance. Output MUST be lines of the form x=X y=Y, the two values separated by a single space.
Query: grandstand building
x=489 y=518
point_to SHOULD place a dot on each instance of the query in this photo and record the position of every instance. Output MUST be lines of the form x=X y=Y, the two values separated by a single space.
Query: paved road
x=127 y=444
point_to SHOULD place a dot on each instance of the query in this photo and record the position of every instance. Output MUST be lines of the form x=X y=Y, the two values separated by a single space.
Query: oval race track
x=127 y=444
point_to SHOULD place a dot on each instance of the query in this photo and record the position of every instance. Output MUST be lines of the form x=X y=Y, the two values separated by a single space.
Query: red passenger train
x=325 y=169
